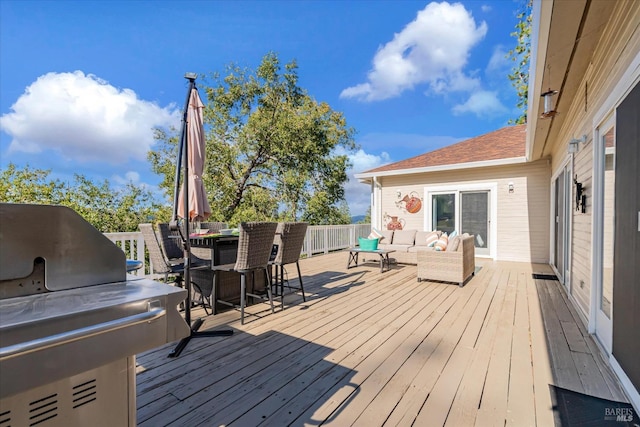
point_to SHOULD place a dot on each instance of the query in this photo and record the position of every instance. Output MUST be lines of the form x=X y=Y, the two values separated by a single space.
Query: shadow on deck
x=370 y=348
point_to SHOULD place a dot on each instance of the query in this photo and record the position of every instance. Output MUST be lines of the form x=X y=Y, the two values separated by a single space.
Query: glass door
x=474 y=218
x=562 y=211
x=444 y=212
x=607 y=147
x=464 y=211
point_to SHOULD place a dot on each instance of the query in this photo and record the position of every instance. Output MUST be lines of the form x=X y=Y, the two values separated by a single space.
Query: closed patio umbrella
x=199 y=209
x=191 y=203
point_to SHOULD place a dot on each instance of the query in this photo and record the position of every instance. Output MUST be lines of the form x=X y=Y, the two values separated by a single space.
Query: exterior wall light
x=549 y=110
x=574 y=144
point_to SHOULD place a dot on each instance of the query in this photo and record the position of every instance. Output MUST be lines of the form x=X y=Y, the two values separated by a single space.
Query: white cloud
x=83 y=118
x=433 y=49
x=485 y=8
x=499 y=63
x=483 y=104
x=356 y=193
x=132 y=177
x=363 y=161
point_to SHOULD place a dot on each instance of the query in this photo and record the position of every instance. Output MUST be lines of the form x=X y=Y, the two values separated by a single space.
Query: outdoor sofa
x=412 y=247
x=405 y=243
x=448 y=266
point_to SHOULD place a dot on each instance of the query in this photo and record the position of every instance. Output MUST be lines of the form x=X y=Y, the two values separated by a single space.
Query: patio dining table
x=224 y=250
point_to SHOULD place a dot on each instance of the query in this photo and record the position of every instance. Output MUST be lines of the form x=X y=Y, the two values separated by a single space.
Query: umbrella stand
x=184 y=233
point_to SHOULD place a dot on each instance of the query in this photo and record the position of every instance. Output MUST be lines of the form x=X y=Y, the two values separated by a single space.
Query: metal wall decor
x=411 y=203
x=393 y=222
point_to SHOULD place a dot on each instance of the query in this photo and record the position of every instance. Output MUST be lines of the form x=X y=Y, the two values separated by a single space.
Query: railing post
x=352 y=235
x=140 y=254
x=326 y=240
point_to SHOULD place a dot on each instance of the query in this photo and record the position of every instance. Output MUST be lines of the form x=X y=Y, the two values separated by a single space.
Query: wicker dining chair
x=213 y=227
x=160 y=261
x=200 y=257
x=254 y=248
x=169 y=240
x=289 y=239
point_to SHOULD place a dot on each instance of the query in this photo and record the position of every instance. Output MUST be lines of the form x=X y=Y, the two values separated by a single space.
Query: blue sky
x=82 y=83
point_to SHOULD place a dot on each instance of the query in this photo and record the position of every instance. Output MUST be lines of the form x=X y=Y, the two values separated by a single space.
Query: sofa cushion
x=387 y=237
x=414 y=249
x=441 y=244
x=423 y=237
x=397 y=248
x=404 y=237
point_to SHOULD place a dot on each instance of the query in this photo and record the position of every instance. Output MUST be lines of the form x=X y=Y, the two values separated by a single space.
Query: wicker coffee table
x=383 y=253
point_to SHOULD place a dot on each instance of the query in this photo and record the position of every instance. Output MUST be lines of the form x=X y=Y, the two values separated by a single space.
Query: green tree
x=272 y=150
x=521 y=55
x=367 y=217
x=107 y=209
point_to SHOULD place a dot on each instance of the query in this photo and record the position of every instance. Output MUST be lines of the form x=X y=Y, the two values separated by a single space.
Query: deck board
x=370 y=348
x=521 y=401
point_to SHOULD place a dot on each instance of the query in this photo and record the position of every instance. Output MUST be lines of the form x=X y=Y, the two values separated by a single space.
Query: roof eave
x=365 y=176
x=541 y=23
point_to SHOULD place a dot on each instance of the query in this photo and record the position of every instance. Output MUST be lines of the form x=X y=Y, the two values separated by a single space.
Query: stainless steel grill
x=72 y=320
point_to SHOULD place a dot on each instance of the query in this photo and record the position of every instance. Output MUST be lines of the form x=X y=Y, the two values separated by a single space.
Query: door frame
x=606 y=112
x=491 y=187
x=567 y=164
x=602 y=325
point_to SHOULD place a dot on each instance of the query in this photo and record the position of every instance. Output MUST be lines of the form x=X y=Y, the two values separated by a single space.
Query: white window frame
x=491 y=187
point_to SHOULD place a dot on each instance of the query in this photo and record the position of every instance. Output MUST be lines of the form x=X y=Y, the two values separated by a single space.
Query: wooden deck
x=371 y=348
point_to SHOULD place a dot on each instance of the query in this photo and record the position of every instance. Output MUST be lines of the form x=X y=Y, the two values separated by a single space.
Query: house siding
x=522 y=216
x=581 y=236
x=618 y=46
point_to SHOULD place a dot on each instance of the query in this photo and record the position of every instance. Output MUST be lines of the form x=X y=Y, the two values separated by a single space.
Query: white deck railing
x=132 y=244
x=320 y=239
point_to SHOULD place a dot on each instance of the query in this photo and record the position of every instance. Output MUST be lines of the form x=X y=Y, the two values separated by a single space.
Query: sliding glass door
x=562 y=211
x=606 y=146
x=474 y=217
x=464 y=211
x=443 y=212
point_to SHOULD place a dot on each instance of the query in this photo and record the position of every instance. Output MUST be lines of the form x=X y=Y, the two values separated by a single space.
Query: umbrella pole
x=183 y=159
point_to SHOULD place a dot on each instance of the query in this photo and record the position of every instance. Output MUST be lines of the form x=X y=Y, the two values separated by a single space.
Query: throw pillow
x=453 y=244
x=441 y=244
x=375 y=234
x=453 y=234
x=432 y=238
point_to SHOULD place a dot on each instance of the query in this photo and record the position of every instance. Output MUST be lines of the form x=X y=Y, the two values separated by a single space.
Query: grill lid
x=50 y=248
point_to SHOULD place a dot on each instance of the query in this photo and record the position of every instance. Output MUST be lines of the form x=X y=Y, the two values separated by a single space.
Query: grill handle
x=78 y=334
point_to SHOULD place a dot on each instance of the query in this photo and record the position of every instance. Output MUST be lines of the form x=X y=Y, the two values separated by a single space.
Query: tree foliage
x=367 y=217
x=107 y=209
x=273 y=152
x=521 y=55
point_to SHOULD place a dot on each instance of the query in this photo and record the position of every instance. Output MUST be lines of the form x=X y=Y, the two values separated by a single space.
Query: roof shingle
x=506 y=143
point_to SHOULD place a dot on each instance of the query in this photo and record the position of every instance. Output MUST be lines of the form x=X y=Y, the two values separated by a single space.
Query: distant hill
x=356 y=219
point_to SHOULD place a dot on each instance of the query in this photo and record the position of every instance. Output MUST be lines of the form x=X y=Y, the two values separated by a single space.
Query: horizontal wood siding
x=523 y=216
x=618 y=46
x=581 y=236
